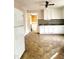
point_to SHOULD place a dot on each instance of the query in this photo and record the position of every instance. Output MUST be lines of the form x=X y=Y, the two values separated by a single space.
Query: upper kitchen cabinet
x=54 y=13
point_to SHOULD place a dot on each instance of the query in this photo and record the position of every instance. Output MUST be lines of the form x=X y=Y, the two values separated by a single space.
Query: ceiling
x=36 y=4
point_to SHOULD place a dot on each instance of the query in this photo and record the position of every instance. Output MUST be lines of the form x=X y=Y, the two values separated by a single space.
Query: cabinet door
x=58 y=29
x=53 y=13
x=42 y=29
x=47 y=14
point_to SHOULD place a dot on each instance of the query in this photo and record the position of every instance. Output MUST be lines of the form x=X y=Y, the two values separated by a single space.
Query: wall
x=62 y=12
x=39 y=12
x=34 y=26
x=19 y=32
x=53 y=13
x=27 y=22
x=18 y=18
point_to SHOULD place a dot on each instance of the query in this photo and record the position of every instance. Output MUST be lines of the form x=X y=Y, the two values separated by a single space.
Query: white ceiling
x=37 y=4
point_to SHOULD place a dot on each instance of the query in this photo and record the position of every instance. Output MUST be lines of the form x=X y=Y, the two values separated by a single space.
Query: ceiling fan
x=47 y=4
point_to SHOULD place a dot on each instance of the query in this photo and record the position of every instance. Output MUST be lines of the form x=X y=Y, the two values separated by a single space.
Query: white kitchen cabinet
x=53 y=13
x=41 y=29
x=51 y=29
x=47 y=14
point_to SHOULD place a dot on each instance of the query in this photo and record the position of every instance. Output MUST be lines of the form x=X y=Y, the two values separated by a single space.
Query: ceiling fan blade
x=51 y=4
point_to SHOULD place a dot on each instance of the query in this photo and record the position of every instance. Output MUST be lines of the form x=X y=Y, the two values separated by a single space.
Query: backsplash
x=51 y=22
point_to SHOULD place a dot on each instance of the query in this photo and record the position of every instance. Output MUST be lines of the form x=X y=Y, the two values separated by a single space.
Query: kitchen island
x=41 y=46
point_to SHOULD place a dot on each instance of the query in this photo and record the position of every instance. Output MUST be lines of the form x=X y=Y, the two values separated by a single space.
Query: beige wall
x=39 y=12
x=62 y=12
